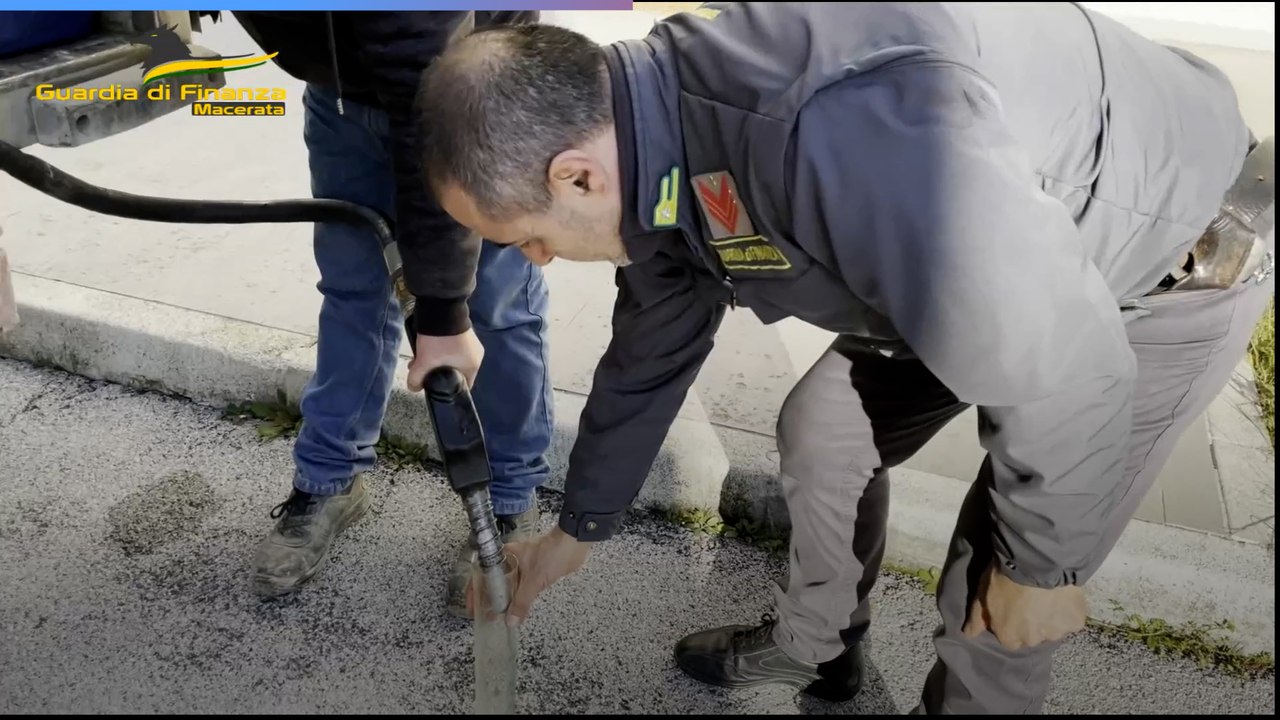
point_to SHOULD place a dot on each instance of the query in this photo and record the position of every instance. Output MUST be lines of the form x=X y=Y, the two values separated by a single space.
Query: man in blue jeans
x=473 y=300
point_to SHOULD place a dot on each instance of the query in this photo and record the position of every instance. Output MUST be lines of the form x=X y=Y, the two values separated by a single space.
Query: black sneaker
x=299 y=544
x=742 y=656
x=512 y=528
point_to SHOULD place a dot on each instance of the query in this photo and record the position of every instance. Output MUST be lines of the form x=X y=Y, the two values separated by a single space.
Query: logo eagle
x=165 y=46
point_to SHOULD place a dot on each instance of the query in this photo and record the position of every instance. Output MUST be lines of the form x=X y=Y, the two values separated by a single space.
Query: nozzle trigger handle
x=458 y=432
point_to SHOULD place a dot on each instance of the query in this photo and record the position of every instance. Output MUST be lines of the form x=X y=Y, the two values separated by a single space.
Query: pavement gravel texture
x=128 y=521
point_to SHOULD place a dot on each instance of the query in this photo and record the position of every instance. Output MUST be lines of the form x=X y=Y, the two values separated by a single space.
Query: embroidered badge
x=733 y=236
x=718 y=197
x=667 y=211
x=750 y=253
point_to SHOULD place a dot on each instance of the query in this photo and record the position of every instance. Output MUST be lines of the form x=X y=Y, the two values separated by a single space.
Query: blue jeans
x=361 y=326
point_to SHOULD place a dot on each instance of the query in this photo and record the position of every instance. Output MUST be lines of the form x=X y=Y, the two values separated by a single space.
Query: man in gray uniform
x=1024 y=208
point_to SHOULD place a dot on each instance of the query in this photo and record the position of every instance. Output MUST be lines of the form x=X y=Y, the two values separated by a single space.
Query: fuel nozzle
x=460 y=438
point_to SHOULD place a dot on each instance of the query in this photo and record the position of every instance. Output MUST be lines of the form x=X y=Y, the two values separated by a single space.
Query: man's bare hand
x=540 y=564
x=463 y=352
x=1021 y=616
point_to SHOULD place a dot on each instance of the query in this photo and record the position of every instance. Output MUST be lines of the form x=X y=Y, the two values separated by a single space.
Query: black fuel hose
x=453 y=413
x=55 y=183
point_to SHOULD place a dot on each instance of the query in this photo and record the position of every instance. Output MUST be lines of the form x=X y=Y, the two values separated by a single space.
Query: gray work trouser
x=855 y=415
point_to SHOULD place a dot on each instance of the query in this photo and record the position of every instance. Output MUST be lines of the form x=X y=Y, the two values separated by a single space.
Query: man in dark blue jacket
x=1025 y=208
x=472 y=301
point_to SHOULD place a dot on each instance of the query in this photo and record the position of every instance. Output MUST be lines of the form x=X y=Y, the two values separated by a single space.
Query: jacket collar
x=655 y=189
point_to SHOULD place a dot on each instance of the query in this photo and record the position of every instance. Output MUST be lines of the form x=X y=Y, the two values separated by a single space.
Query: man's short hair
x=498 y=106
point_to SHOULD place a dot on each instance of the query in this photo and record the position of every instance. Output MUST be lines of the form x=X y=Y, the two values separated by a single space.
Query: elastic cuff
x=440 y=317
x=589 y=527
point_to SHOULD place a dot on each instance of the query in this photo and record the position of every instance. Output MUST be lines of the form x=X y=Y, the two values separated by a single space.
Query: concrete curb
x=219 y=360
x=1157 y=570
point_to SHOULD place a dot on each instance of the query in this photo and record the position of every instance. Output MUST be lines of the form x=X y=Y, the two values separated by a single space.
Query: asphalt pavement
x=128 y=521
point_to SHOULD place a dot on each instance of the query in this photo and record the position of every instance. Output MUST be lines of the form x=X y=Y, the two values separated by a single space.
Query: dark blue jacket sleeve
x=936 y=216
x=439 y=255
x=662 y=333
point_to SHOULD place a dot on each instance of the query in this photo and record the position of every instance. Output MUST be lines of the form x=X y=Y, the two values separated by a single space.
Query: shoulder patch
x=743 y=252
x=717 y=195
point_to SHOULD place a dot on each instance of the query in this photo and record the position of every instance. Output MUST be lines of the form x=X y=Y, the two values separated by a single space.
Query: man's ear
x=574 y=172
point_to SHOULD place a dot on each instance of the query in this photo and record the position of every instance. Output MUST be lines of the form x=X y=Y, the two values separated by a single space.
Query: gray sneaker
x=299 y=545
x=514 y=528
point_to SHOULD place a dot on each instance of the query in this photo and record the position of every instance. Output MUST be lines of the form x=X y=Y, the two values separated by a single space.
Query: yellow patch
x=705 y=12
x=750 y=253
x=666 y=213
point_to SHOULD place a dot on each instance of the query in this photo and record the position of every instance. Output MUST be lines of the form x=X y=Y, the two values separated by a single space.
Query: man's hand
x=463 y=352
x=540 y=564
x=1021 y=616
